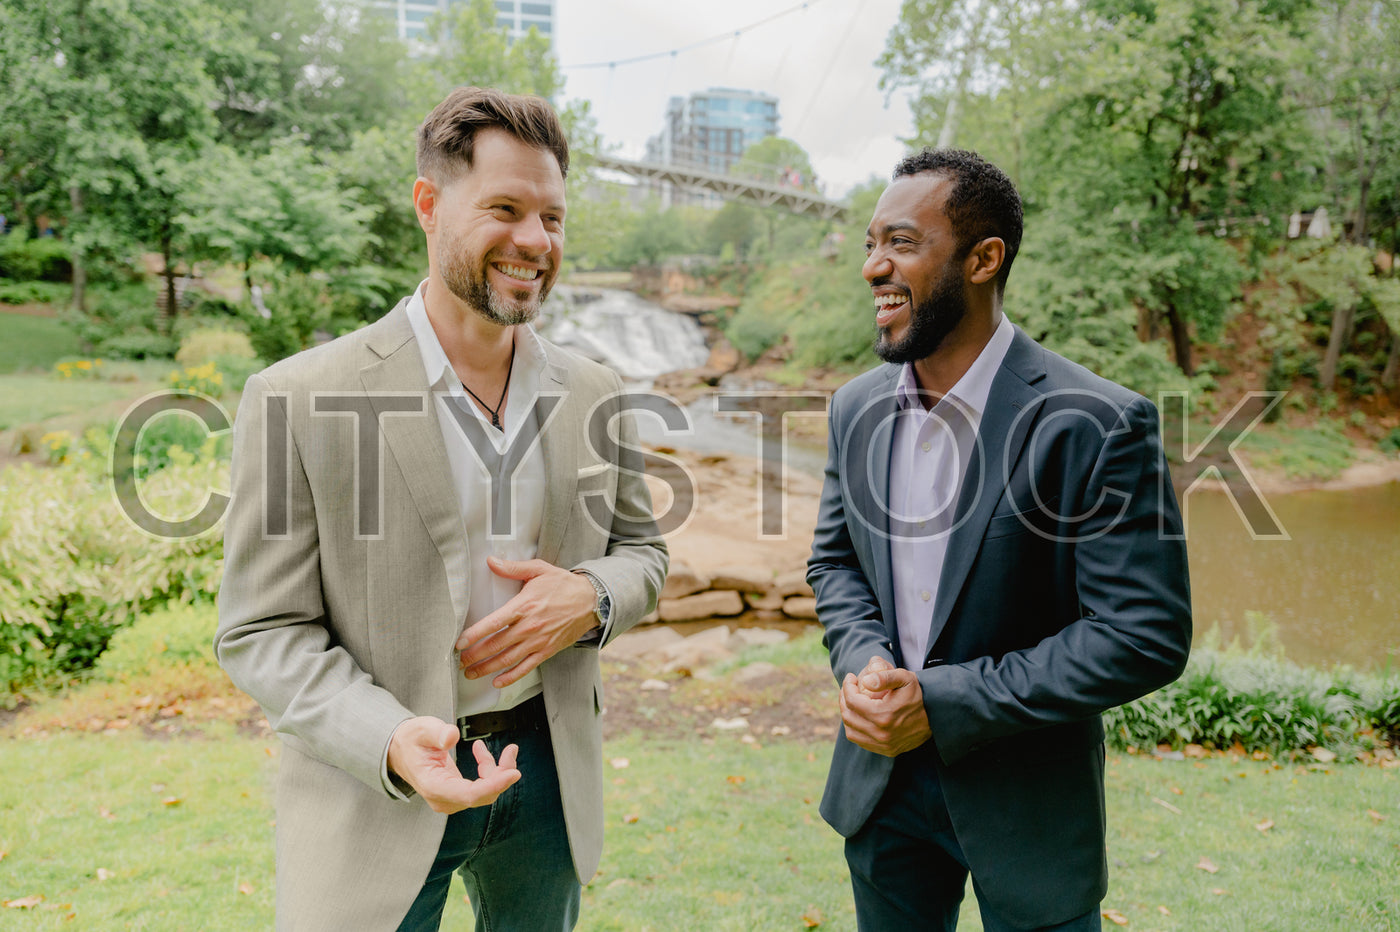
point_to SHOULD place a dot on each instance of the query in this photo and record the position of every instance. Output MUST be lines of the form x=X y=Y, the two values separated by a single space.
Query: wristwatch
x=602 y=606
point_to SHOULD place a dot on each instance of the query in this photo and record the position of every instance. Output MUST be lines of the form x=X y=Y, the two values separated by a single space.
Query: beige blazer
x=341 y=632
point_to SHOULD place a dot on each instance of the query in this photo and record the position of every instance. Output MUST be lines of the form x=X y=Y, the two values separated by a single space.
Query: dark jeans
x=908 y=870
x=513 y=855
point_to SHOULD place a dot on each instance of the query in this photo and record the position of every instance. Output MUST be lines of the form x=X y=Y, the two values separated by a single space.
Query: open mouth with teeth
x=516 y=272
x=887 y=306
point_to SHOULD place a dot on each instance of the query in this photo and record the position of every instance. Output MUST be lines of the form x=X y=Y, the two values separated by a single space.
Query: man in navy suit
x=997 y=560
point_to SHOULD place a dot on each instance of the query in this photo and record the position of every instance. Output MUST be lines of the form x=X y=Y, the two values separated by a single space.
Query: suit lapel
x=414 y=441
x=869 y=443
x=560 y=429
x=1011 y=409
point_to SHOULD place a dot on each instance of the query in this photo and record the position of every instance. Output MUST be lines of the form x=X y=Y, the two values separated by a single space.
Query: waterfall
x=639 y=339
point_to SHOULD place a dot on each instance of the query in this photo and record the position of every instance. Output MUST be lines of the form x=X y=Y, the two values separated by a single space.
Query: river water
x=1331 y=589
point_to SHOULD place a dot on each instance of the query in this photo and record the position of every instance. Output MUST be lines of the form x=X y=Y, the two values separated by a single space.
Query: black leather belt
x=528 y=716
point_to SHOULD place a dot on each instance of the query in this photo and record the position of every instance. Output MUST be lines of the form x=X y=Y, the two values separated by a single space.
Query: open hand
x=418 y=753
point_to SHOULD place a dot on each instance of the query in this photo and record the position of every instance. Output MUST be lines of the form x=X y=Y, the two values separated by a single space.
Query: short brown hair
x=446 y=136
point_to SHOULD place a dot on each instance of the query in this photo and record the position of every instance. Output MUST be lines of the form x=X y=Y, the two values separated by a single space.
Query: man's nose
x=531 y=238
x=877 y=265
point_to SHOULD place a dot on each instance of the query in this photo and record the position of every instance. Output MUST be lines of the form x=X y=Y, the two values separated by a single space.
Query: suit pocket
x=1039 y=519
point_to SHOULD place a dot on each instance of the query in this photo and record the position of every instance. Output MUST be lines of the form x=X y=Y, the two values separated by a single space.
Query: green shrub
x=207 y=344
x=74 y=568
x=1390 y=443
x=32 y=292
x=177 y=634
x=1262 y=702
x=24 y=259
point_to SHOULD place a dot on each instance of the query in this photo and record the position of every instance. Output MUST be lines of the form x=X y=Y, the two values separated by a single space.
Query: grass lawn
x=28 y=342
x=31 y=398
x=124 y=831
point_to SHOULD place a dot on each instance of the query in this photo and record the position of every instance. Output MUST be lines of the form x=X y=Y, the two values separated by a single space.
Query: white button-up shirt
x=518 y=537
x=929 y=457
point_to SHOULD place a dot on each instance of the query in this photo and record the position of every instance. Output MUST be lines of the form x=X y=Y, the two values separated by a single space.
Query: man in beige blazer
x=437 y=521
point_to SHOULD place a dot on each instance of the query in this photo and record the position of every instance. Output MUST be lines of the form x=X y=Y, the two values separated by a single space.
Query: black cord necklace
x=496 y=411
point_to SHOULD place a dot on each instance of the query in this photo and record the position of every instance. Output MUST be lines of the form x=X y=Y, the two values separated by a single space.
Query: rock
x=655 y=686
x=724 y=356
x=759 y=637
x=639 y=643
x=730 y=724
x=801 y=607
x=755 y=671
x=742 y=578
x=704 y=647
x=764 y=602
x=710 y=604
x=682 y=581
x=793 y=583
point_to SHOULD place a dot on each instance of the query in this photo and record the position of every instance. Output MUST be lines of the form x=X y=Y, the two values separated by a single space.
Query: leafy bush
x=1260 y=701
x=32 y=292
x=176 y=634
x=46 y=258
x=74 y=568
x=121 y=324
x=1390 y=443
x=208 y=344
x=205 y=379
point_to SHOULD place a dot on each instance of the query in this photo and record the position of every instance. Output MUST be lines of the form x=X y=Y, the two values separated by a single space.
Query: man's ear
x=984 y=260
x=425 y=204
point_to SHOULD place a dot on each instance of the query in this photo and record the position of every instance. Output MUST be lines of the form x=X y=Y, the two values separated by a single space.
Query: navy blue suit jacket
x=1064 y=593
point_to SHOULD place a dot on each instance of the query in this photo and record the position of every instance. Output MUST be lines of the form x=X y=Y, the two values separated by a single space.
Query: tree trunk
x=1336 y=342
x=1181 y=340
x=75 y=199
x=165 y=310
x=1391 y=374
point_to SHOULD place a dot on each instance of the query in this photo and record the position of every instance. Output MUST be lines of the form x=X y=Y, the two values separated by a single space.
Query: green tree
x=317 y=70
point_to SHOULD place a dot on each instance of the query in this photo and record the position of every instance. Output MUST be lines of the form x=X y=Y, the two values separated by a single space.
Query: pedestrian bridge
x=730 y=187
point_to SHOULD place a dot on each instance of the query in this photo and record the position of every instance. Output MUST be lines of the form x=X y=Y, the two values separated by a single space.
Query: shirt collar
x=529 y=351
x=972 y=390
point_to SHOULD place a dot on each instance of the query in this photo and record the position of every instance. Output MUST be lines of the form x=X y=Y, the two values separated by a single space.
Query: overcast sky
x=818 y=62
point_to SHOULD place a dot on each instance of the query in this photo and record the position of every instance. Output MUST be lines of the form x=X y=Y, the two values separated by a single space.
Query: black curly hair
x=983 y=202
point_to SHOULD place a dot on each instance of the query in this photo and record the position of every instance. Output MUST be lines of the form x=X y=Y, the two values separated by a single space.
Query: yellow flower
x=84 y=364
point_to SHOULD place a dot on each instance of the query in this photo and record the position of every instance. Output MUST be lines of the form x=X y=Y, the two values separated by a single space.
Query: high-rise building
x=411 y=16
x=711 y=129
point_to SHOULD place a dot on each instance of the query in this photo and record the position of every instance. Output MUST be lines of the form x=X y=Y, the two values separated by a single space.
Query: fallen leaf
x=1207 y=865
x=1194 y=750
x=1164 y=911
x=1114 y=916
x=104 y=874
x=1166 y=805
x=631 y=818
x=1219 y=891
x=620 y=763
x=25 y=902
x=1376 y=816
x=170 y=801
x=812 y=917
x=1176 y=790
x=1324 y=756
x=735 y=779
x=245 y=888
x=1265 y=825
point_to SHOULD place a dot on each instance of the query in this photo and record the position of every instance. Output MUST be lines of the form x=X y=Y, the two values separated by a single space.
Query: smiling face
x=498 y=229
x=915 y=274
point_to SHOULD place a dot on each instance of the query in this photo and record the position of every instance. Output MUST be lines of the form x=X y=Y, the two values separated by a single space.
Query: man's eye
x=868 y=248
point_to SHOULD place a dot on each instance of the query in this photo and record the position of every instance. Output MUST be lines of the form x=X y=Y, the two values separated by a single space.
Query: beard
x=930 y=321
x=467 y=280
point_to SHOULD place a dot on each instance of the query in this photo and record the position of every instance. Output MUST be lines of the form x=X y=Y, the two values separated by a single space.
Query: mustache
x=883 y=280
